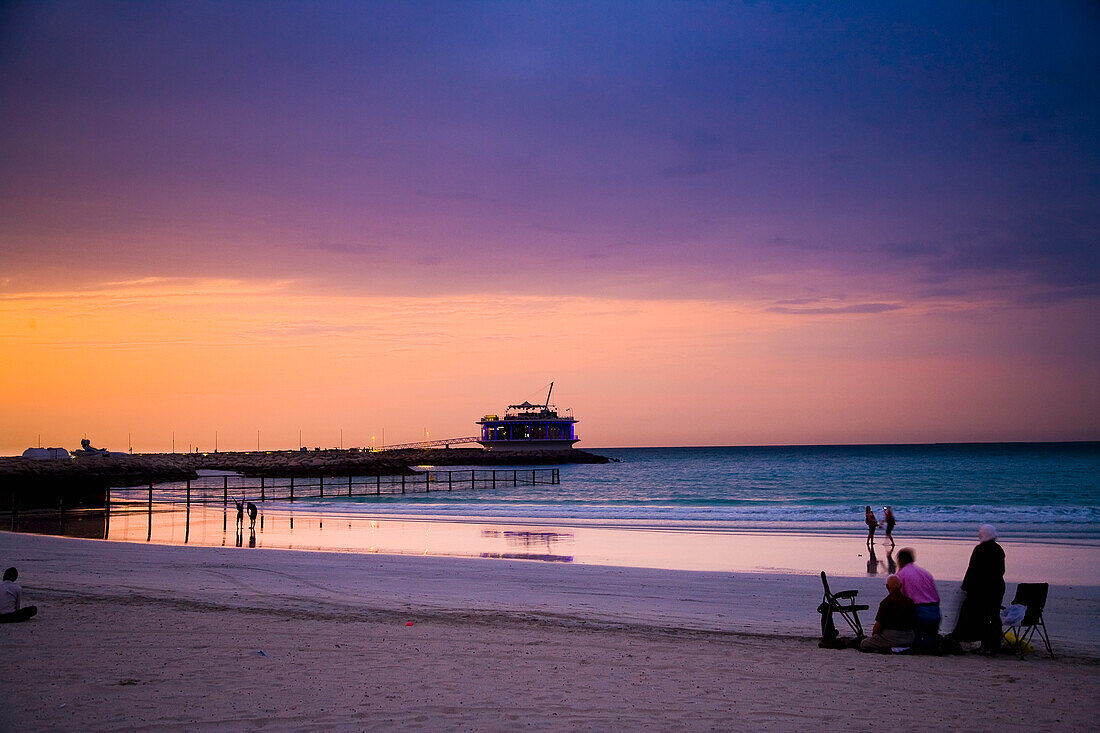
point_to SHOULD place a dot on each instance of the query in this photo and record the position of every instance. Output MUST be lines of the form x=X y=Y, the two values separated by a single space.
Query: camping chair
x=843 y=603
x=1033 y=597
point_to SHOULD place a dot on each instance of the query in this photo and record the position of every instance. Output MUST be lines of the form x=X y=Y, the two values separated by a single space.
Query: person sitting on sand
x=12 y=609
x=894 y=622
x=888 y=515
x=872 y=523
x=919 y=586
x=252 y=517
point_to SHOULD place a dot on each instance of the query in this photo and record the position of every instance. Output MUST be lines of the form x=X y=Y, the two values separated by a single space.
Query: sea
x=1041 y=490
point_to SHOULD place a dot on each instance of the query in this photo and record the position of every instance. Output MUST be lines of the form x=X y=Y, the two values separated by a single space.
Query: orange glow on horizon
x=151 y=357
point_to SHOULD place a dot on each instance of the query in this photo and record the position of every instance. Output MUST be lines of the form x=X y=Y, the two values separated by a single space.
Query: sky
x=708 y=223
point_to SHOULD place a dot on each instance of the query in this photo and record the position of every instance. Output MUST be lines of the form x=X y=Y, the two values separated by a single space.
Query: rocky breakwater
x=83 y=481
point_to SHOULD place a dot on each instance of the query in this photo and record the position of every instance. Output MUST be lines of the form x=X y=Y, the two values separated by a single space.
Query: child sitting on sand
x=11 y=600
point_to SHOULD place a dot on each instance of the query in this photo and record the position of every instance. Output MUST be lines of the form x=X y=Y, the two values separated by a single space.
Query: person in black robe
x=984 y=585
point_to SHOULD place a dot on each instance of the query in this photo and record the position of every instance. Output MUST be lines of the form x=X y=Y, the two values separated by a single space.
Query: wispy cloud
x=865 y=308
x=348 y=248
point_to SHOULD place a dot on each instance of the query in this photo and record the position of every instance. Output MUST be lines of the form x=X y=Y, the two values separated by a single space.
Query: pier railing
x=223 y=489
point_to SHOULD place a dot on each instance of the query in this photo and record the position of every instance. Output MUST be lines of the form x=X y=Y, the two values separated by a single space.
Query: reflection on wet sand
x=287 y=526
x=167 y=523
x=88 y=524
x=529 y=538
x=874 y=564
x=528 y=556
x=872 y=560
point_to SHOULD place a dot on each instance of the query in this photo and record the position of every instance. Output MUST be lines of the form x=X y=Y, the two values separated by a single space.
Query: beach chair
x=1033 y=597
x=843 y=603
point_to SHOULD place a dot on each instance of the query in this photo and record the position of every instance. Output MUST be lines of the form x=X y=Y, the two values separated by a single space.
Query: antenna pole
x=548 y=394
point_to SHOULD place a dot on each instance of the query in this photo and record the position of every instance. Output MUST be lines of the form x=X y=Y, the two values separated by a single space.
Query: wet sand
x=623 y=544
x=134 y=635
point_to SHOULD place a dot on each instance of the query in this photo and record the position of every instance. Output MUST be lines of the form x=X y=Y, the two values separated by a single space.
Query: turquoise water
x=1043 y=490
x=1047 y=491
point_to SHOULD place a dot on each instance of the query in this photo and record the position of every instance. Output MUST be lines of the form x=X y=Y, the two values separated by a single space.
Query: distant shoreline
x=1076 y=444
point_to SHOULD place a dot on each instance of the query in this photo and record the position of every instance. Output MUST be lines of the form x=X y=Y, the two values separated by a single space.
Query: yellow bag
x=1014 y=644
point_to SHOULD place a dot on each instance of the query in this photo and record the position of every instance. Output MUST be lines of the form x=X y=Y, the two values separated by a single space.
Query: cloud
x=793 y=243
x=941 y=293
x=835 y=310
x=696 y=167
x=1040 y=258
x=798 y=301
x=347 y=248
x=552 y=230
x=310 y=327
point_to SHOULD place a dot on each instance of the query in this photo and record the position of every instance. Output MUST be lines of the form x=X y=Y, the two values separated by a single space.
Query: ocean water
x=1029 y=490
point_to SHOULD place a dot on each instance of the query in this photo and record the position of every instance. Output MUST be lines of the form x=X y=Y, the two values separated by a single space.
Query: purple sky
x=798 y=160
x=923 y=148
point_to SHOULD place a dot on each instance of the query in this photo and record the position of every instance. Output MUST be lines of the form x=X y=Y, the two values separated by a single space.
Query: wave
x=840 y=516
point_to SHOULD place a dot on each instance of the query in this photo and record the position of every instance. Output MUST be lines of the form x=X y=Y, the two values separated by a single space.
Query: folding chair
x=843 y=603
x=1033 y=597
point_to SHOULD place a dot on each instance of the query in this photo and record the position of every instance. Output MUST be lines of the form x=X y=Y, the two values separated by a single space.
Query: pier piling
x=205 y=490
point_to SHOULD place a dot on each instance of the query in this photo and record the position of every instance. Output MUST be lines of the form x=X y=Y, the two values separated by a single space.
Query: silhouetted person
x=240 y=513
x=984 y=585
x=12 y=609
x=252 y=518
x=872 y=523
x=888 y=515
x=894 y=622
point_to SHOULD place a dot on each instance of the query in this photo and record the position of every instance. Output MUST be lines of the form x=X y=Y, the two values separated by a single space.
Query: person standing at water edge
x=11 y=600
x=984 y=585
x=918 y=585
x=872 y=523
x=888 y=515
x=252 y=517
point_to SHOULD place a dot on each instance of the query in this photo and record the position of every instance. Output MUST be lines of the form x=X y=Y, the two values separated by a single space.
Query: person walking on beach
x=984 y=586
x=872 y=523
x=894 y=622
x=12 y=609
x=920 y=587
x=888 y=515
x=240 y=512
x=252 y=517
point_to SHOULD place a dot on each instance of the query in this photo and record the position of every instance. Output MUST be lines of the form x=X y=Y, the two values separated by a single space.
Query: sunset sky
x=709 y=224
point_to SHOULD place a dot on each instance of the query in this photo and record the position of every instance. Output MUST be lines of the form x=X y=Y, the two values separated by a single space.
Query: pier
x=221 y=492
x=221 y=489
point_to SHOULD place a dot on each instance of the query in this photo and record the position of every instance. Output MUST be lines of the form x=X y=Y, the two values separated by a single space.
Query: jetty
x=85 y=481
x=225 y=488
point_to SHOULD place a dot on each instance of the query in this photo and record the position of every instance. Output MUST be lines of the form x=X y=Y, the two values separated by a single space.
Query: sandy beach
x=137 y=636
